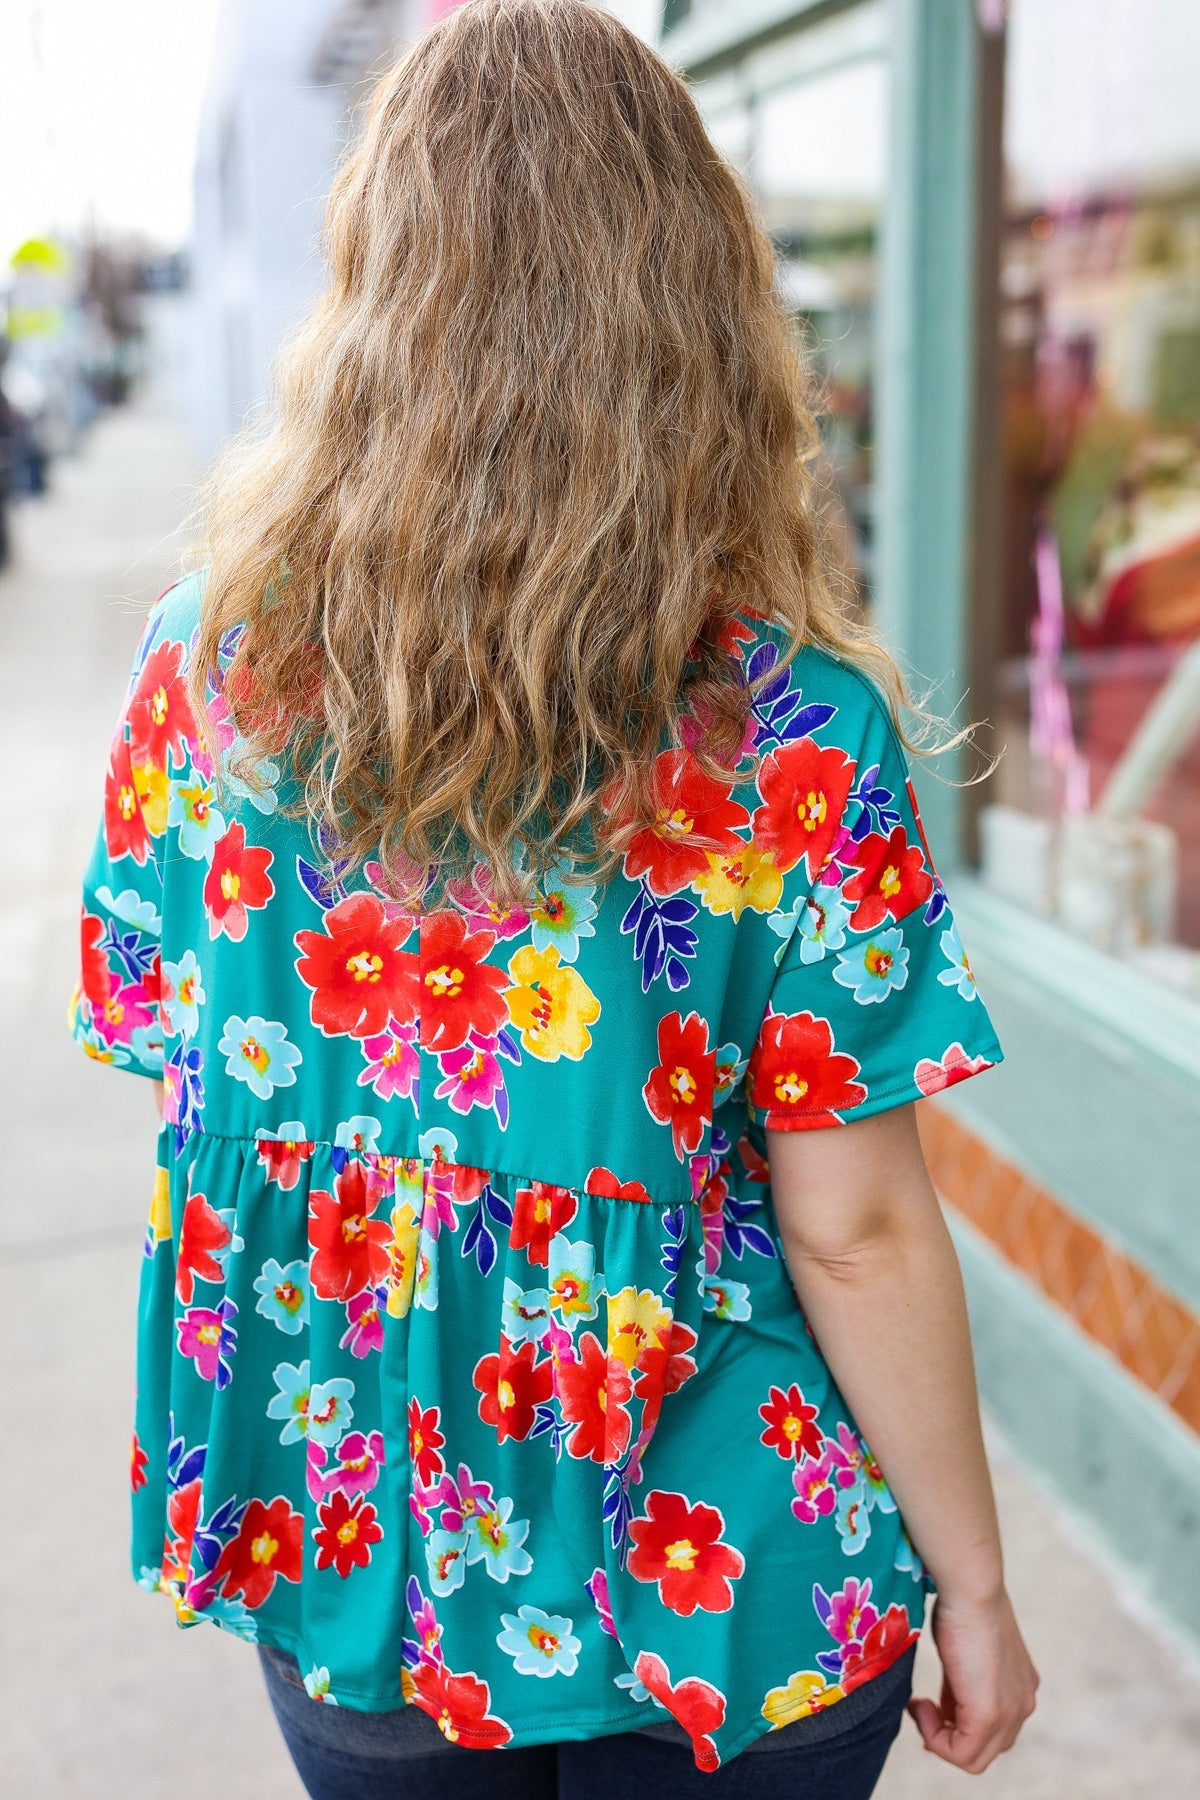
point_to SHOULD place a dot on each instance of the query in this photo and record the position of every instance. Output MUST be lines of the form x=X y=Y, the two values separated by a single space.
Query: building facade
x=987 y=214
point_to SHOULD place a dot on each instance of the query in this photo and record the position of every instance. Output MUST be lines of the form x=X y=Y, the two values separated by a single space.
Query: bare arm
x=158 y=1097
x=876 y=1273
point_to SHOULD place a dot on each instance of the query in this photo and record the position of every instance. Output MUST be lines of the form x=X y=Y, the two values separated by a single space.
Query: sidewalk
x=102 y=1693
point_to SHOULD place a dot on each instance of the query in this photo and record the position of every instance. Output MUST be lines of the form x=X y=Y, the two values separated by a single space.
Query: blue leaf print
x=478 y=1239
x=878 y=812
x=134 y=952
x=618 y=1510
x=740 y=1235
x=674 y=1223
x=662 y=936
x=318 y=885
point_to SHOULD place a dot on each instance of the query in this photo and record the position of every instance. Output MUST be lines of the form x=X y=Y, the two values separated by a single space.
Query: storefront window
x=1097 y=700
x=805 y=120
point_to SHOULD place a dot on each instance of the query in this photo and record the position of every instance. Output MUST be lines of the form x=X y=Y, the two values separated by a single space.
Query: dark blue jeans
x=837 y=1755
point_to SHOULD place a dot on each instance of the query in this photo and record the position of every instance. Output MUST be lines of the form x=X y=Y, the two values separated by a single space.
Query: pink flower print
x=851 y=1614
x=314 y=1469
x=283 y=1153
x=475 y=897
x=557 y=1340
x=360 y=1456
x=392 y=1062
x=852 y=1457
x=207 y=1334
x=126 y=1010
x=418 y=1506
x=597 y=1587
x=813 y=1482
x=473 y=1076
x=428 y=1631
x=364 y=1329
x=439 y=1198
x=408 y=879
x=461 y=1498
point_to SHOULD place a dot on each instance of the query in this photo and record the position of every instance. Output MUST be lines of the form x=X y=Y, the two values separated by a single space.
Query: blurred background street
x=987 y=221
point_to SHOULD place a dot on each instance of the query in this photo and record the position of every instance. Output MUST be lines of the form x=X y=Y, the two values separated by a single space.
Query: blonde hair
x=543 y=439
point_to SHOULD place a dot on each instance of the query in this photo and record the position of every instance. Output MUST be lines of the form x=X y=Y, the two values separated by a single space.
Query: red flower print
x=790 y=1424
x=679 y=1546
x=459 y=990
x=459 y=1706
x=283 y=1158
x=125 y=831
x=160 y=711
x=95 y=978
x=603 y=1182
x=931 y=1077
x=662 y=1369
x=183 y=1513
x=688 y=804
x=269 y=1543
x=887 y=1639
x=695 y=1704
x=890 y=878
x=425 y=1442
x=679 y=1091
x=359 y=975
x=593 y=1391
x=539 y=1212
x=346 y=1531
x=510 y=1386
x=351 y=1250
x=201 y=1233
x=796 y=1075
x=237 y=880
x=804 y=791
x=137 y=1464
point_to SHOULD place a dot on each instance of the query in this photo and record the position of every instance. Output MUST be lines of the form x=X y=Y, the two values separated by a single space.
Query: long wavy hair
x=543 y=439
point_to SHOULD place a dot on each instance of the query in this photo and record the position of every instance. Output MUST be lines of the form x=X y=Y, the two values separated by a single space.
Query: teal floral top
x=470 y=1370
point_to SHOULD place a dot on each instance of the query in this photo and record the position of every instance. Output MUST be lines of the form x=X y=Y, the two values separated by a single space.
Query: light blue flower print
x=191 y=811
x=132 y=909
x=634 y=1688
x=224 y=1255
x=526 y=1312
x=233 y=1616
x=959 y=975
x=539 y=1643
x=329 y=1411
x=436 y=1144
x=182 y=994
x=99 y=1048
x=853 y=1518
x=727 y=1299
x=291 y=1402
x=425 y=1283
x=822 y=924
x=316 y=1685
x=359 y=1133
x=908 y=1558
x=146 y=1044
x=284 y=1294
x=731 y=1066
x=496 y=1540
x=575 y=1288
x=259 y=790
x=562 y=913
x=257 y=1052
x=872 y=970
x=447 y=1553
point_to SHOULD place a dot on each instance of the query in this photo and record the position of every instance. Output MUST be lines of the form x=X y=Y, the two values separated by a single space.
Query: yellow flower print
x=550 y=1004
x=806 y=1692
x=402 y=1274
x=636 y=1322
x=159 y=1224
x=739 y=879
x=154 y=792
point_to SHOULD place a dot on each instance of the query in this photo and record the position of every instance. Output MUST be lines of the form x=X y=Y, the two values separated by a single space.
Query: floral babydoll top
x=470 y=1370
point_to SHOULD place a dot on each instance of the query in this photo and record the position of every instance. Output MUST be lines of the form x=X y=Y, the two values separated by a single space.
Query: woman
x=508 y=866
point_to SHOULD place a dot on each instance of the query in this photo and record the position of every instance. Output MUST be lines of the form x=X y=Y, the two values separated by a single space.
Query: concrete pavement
x=102 y=1693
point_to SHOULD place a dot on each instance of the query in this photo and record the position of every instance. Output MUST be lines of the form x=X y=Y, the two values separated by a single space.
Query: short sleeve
x=874 y=1002
x=114 y=1011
